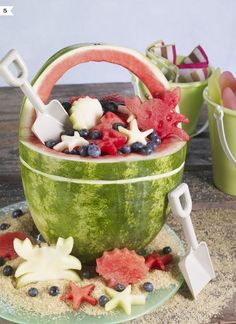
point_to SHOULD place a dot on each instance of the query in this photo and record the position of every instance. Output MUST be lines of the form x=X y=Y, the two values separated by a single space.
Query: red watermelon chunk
x=114 y=97
x=159 y=114
x=111 y=140
x=6 y=244
x=156 y=261
x=121 y=266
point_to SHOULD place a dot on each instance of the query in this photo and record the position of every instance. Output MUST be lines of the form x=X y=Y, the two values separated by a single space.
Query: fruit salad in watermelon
x=106 y=183
x=120 y=125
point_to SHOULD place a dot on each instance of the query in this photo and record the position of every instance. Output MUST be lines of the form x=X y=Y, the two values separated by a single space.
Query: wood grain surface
x=198 y=173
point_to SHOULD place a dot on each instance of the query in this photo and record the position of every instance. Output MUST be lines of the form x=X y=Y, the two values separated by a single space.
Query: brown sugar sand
x=44 y=304
x=218 y=228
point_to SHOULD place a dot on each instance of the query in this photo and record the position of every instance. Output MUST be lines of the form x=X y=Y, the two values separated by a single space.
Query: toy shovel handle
x=181 y=205
x=20 y=80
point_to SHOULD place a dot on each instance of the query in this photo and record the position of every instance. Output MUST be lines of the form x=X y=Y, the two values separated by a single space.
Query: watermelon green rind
x=106 y=216
x=107 y=168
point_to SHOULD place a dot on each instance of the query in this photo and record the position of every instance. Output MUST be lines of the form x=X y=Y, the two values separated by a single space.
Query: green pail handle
x=219 y=116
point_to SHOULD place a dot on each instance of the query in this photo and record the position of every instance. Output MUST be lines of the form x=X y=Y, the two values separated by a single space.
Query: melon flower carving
x=46 y=262
x=134 y=134
x=123 y=299
x=70 y=142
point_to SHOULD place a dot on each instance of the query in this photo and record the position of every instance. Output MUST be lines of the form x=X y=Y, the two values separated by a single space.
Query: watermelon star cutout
x=134 y=134
x=156 y=261
x=70 y=142
x=123 y=299
x=79 y=294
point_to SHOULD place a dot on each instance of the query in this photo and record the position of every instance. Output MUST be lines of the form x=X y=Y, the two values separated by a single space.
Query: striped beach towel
x=192 y=68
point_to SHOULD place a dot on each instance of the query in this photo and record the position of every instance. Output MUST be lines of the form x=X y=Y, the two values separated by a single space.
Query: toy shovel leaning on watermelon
x=106 y=184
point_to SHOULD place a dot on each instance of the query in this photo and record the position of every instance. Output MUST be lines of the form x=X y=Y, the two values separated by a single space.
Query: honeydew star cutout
x=124 y=299
x=134 y=134
x=70 y=142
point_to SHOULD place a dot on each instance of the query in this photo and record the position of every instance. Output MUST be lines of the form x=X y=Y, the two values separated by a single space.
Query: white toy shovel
x=52 y=119
x=196 y=266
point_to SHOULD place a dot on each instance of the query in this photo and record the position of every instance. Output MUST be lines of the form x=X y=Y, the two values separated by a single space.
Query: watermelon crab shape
x=85 y=113
x=121 y=266
x=70 y=142
x=159 y=114
x=46 y=262
x=123 y=299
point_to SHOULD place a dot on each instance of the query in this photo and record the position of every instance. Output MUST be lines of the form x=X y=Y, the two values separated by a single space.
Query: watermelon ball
x=4 y=226
x=33 y=292
x=154 y=137
x=148 y=286
x=119 y=287
x=95 y=134
x=66 y=106
x=146 y=150
x=116 y=125
x=84 y=133
x=7 y=271
x=2 y=261
x=103 y=300
x=50 y=143
x=166 y=250
x=136 y=147
x=93 y=150
x=152 y=145
x=54 y=291
x=17 y=213
x=109 y=106
x=83 y=150
x=126 y=149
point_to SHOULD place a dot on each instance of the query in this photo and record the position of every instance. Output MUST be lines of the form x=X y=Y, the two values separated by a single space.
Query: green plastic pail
x=222 y=127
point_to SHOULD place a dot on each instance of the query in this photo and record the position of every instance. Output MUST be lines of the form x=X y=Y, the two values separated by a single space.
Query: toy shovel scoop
x=52 y=119
x=196 y=266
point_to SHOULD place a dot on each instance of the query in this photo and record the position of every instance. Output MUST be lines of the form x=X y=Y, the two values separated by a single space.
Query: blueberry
x=66 y=106
x=54 y=291
x=50 y=143
x=126 y=149
x=84 y=133
x=154 y=137
x=87 y=274
x=119 y=287
x=17 y=213
x=146 y=150
x=136 y=147
x=148 y=286
x=152 y=145
x=74 y=152
x=7 y=271
x=2 y=261
x=95 y=134
x=4 y=226
x=109 y=106
x=103 y=300
x=93 y=150
x=166 y=250
x=33 y=292
x=116 y=125
x=83 y=150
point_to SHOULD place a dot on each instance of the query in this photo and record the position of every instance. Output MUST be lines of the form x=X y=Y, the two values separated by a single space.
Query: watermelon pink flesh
x=6 y=244
x=115 y=56
x=226 y=80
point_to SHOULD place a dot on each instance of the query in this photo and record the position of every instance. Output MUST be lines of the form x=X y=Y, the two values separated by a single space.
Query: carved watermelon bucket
x=107 y=202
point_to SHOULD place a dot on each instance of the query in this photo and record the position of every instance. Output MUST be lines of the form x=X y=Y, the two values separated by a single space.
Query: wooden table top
x=198 y=173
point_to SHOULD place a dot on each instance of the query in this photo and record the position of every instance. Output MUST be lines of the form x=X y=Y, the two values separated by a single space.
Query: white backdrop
x=40 y=28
